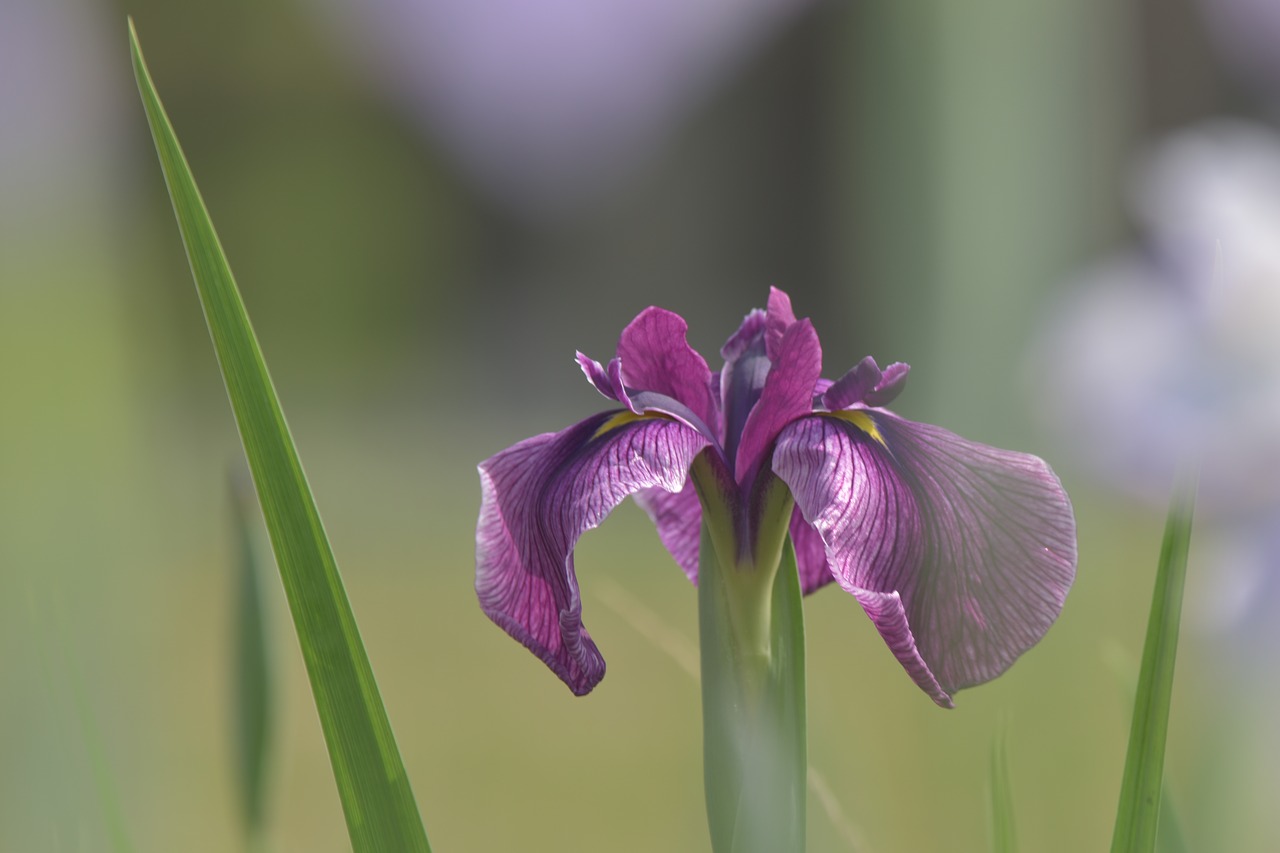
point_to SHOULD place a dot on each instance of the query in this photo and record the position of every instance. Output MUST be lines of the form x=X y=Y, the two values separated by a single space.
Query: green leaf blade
x=1004 y=837
x=376 y=797
x=252 y=676
x=1138 y=813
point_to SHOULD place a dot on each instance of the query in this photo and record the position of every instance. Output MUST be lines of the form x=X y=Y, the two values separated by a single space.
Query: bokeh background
x=430 y=204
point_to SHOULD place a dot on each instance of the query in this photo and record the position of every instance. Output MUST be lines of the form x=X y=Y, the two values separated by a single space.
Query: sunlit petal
x=538 y=497
x=978 y=544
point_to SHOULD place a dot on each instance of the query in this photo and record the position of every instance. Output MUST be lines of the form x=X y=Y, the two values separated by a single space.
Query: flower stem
x=753 y=704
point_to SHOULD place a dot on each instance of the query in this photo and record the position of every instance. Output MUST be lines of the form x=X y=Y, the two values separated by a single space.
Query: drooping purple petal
x=778 y=318
x=657 y=357
x=962 y=554
x=537 y=498
x=678 y=517
x=869 y=523
x=787 y=395
x=811 y=554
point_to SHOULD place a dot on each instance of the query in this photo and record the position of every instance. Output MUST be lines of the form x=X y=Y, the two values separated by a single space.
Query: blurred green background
x=919 y=176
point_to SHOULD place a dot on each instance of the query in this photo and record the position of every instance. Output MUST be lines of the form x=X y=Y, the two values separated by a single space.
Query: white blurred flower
x=1174 y=347
x=543 y=102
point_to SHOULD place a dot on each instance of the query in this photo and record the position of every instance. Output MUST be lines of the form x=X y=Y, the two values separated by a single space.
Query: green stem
x=753 y=703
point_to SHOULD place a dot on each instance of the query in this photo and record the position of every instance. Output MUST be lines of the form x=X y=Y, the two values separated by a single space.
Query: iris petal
x=746 y=366
x=657 y=357
x=778 y=318
x=890 y=386
x=787 y=394
x=962 y=554
x=853 y=386
x=596 y=375
x=678 y=517
x=537 y=498
x=811 y=554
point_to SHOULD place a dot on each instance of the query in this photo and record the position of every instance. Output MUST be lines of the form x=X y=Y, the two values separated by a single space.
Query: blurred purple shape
x=60 y=111
x=1173 y=347
x=544 y=103
x=1248 y=37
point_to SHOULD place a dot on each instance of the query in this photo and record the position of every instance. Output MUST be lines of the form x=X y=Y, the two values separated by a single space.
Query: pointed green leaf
x=1004 y=838
x=376 y=797
x=1137 y=817
x=1170 y=837
x=755 y=757
x=252 y=662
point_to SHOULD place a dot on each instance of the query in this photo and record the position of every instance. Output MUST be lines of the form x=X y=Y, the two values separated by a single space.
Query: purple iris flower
x=961 y=554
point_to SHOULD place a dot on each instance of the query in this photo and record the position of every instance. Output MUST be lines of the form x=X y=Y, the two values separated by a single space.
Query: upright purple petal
x=657 y=357
x=890 y=385
x=778 y=318
x=746 y=366
x=596 y=375
x=853 y=386
x=678 y=517
x=608 y=380
x=749 y=330
x=537 y=498
x=866 y=383
x=620 y=392
x=962 y=554
x=787 y=395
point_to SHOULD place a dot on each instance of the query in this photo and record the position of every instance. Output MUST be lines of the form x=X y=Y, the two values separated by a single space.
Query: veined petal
x=787 y=395
x=962 y=554
x=678 y=517
x=657 y=357
x=538 y=497
x=811 y=554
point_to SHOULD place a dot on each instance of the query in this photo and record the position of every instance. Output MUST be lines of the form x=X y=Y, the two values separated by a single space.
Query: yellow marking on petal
x=622 y=419
x=862 y=421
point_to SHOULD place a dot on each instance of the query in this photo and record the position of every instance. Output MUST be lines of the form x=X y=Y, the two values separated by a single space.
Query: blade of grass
x=252 y=673
x=1170 y=836
x=103 y=778
x=1137 y=816
x=1004 y=838
x=376 y=797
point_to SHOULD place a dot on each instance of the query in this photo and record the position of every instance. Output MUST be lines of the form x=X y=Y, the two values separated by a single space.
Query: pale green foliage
x=376 y=797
